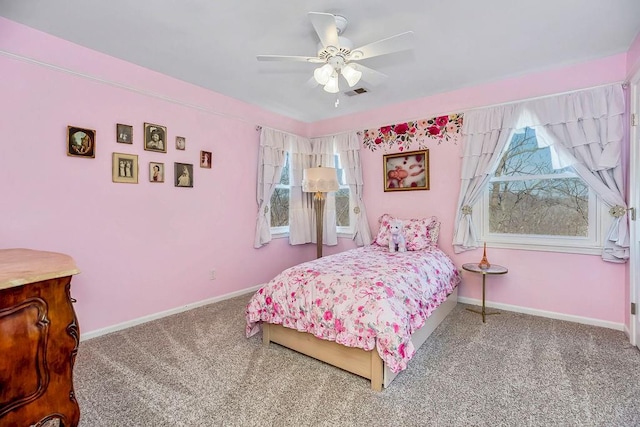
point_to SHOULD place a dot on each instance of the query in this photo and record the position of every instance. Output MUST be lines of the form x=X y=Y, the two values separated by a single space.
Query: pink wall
x=579 y=285
x=142 y=248
x=147 y=248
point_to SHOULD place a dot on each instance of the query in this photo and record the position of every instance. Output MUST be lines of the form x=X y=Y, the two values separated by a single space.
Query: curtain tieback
x=617 y=211
x=356 y=210
x=266 y=209
x=466 y=209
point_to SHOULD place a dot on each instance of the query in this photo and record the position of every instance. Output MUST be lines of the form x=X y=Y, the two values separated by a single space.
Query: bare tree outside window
x=280 y=199
x=342 y=207
x=527 y=196
x=279 y=211
x=342 y=197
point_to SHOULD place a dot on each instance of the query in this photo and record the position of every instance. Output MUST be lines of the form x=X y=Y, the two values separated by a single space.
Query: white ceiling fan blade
x=397 y=43
x=325 y=26
x=312 y=59
x=311 y=83
x=370 y=75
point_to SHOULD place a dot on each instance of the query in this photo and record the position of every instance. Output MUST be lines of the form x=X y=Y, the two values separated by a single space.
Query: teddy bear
x=396 y=240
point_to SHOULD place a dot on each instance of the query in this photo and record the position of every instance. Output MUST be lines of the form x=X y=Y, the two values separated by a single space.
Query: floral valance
x=414 y=134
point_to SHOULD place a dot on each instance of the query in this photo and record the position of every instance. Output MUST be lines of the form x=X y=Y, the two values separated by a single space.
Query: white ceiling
x=458 y=43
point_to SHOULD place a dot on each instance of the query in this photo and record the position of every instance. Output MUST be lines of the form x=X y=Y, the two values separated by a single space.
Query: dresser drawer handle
x=73 y=300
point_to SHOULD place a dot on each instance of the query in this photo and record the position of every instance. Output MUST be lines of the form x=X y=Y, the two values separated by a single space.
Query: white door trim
x=634 y=198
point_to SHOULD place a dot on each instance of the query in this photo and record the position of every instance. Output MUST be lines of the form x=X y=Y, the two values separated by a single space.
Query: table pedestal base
x=493 y=269
x=484 y=313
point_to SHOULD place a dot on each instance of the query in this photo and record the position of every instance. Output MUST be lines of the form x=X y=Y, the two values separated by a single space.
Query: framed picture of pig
x=406 y=171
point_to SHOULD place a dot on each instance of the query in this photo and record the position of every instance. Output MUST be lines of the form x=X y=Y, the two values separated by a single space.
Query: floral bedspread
x=365 y=297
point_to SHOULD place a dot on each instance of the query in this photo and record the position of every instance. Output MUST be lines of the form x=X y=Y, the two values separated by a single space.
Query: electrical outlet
x=212 y=274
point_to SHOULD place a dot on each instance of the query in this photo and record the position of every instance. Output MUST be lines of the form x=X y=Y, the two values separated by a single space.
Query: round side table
x=493 y=269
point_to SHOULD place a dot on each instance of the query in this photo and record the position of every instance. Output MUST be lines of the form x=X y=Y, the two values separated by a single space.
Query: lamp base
x=318 y=204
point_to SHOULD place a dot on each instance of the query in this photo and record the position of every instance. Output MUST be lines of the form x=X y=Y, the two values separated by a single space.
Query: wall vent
x=358 y=91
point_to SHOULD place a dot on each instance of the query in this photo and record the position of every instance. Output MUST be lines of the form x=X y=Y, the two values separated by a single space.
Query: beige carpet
x=198 y=369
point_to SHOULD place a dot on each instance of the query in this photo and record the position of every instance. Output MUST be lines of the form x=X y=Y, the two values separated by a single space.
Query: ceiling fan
x=338 y=55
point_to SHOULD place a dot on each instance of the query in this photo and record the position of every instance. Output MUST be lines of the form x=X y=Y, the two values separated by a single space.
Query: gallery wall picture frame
x=183 y=173
x=205 y=159
x=155 y=138
x=156 y=172
x=81 y=142
x=181 y=143
x=406 y=171
x=124 y=133
x=125 y=168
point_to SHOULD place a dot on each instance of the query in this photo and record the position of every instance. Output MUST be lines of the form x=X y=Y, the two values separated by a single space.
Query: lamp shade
x=351 y=74
x=332 y=84
x=323 y=74
x=320 y=179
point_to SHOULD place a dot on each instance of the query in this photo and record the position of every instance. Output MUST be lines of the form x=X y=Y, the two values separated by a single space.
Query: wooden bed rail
x=367 y=364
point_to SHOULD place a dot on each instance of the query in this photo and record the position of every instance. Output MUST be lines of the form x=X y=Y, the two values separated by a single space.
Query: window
x=344 y=213
x=280 y=201
x=530 y=205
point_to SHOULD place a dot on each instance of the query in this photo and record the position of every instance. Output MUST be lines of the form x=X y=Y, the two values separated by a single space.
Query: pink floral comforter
x=365 y=297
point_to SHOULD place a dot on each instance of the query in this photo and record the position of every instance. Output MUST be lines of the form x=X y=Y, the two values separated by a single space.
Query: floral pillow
x=418 y=233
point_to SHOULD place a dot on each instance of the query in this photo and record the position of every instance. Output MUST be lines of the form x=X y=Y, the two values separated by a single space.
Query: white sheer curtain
x=586 y=130
x=348 y=147
x=305 y=153
x=485 y=133
x=583 y=129
x=301 y=214
x=323 y=155
x=271 y=158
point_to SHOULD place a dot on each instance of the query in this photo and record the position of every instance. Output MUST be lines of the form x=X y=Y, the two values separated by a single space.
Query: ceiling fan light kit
x=322 y=74
x=325 y=75
x=332 y=85
x=336 y=53
x=351 y=74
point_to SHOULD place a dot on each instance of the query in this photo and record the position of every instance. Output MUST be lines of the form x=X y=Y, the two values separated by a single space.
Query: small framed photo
x=125 y=168
x=181 y=142
x=81 y=142
x=183 y=174
x=124 y=134
x=406 y=171
x=155 y=138
x=205 y=159
x=156 y=172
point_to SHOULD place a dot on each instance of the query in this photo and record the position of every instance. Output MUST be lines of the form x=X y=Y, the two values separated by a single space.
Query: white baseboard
x=463 y=300
x=155 y=316
x=543 y=313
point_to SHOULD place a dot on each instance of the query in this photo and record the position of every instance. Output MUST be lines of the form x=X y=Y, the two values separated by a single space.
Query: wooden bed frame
x=367 y=364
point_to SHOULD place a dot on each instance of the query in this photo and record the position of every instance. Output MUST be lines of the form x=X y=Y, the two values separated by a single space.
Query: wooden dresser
x=39 y=338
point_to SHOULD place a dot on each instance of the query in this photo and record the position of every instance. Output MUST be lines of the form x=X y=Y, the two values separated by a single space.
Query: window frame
x=281 y=231
x=592 y=244
x=341 y=231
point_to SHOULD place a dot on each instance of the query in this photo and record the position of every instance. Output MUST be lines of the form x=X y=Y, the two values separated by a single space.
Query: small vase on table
x=484 y=263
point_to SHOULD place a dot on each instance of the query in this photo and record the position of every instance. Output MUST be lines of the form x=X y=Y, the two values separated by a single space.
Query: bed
x=366 y=310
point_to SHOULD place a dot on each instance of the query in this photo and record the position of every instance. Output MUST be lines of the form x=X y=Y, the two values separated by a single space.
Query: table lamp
x=319 y=181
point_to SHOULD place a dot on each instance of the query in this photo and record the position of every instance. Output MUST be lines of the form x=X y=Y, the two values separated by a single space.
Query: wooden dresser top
x=23 y=266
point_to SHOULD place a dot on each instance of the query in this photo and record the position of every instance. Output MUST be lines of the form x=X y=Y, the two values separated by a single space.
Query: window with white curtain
x=530 y=205
x=280 y=203
x=344 y=214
